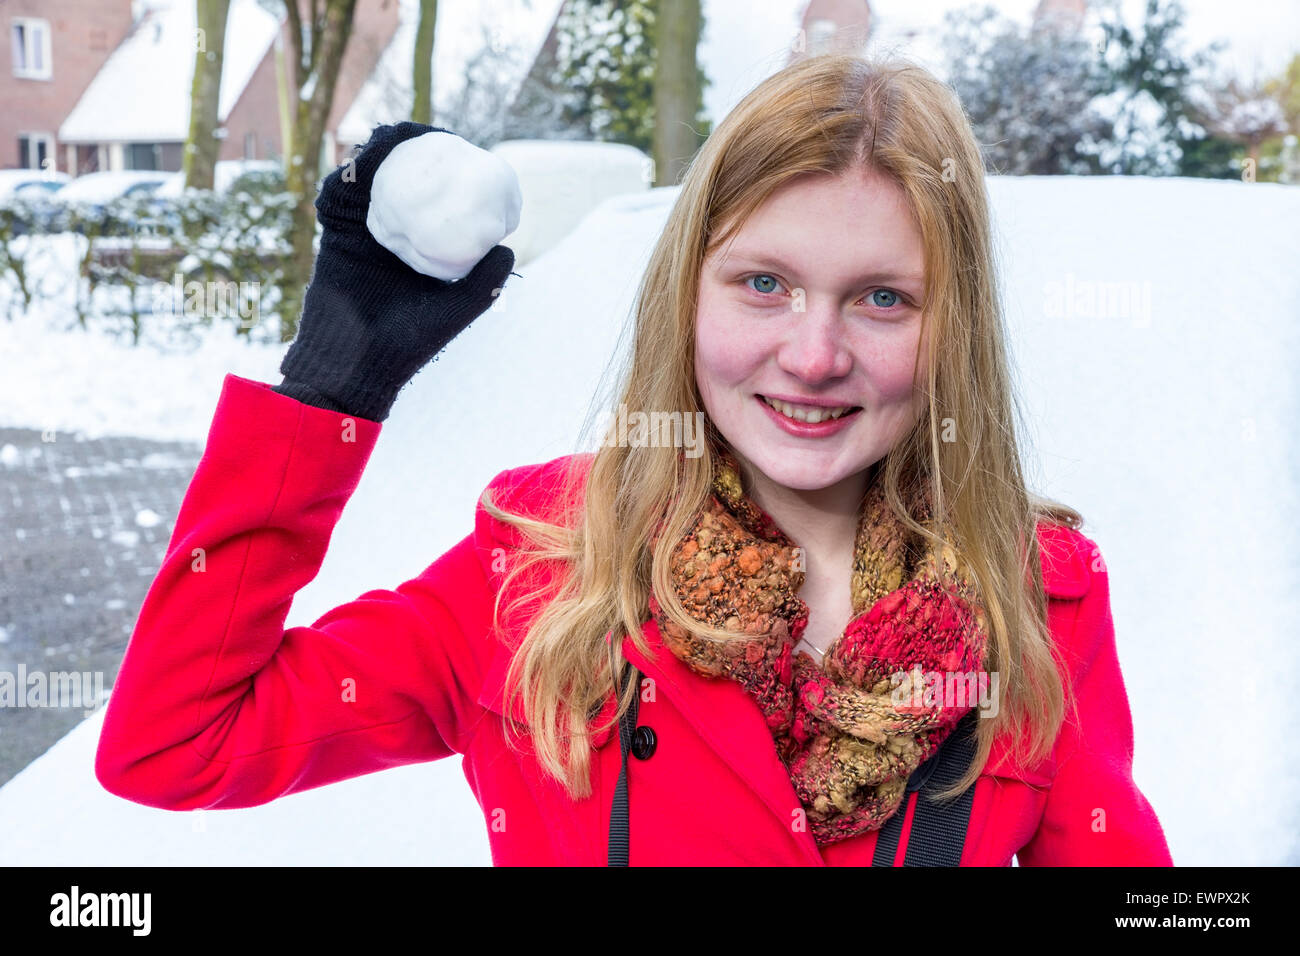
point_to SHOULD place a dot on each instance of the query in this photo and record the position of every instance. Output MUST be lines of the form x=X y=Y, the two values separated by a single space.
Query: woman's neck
x=823 y=522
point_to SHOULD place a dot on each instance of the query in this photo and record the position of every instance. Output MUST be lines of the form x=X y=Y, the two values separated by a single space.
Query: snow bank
x=562 y=181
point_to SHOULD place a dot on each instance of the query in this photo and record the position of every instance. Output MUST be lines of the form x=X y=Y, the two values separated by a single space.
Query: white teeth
x=806 y=413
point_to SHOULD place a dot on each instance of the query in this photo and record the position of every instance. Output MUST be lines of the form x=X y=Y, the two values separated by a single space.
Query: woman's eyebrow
x=769 y=261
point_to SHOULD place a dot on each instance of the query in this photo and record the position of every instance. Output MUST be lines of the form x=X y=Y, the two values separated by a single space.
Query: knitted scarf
x=852 y=729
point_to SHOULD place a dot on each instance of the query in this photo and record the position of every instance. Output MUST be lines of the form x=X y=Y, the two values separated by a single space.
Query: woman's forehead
x=849 y=233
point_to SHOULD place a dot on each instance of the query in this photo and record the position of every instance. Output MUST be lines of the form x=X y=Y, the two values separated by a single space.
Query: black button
x=644 y=742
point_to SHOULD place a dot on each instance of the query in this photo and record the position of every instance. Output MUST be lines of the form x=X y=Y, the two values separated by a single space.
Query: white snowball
x=439 y=203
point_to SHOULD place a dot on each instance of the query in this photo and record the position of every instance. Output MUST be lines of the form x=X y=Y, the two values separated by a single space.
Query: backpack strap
x=618 y=821
x=938 y=831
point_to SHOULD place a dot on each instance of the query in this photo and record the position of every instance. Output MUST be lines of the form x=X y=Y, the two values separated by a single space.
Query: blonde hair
x=824 y=114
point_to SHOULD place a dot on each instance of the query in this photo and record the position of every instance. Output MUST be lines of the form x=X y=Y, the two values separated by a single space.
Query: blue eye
x=884 y=305
x=761 y=277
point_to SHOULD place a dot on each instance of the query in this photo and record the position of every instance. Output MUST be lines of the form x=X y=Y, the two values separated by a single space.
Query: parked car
x=95 y=191
x=33 y=189
x=28 y=182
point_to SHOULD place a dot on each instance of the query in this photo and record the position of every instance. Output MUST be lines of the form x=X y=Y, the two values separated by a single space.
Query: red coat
x=218 y=706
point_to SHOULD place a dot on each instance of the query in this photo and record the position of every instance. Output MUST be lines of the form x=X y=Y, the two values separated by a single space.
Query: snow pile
x=564 y=180
x=439 y=203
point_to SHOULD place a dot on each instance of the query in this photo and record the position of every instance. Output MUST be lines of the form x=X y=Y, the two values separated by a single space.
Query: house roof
x=142 y=92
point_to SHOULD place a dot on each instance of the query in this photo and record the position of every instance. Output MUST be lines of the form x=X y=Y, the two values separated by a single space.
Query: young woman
x=787 y=634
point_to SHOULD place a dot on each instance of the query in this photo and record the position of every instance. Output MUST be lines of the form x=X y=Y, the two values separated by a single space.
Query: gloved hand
x=370 y=322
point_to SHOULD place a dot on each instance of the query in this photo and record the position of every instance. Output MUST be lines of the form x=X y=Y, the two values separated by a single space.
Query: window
x=143 y=156
x=31 y=48
x=250 y=146
x=35 y=150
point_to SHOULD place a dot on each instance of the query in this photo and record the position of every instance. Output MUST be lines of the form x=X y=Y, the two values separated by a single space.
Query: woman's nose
x=814 y=350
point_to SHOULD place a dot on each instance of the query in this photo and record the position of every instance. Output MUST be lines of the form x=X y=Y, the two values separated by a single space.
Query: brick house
x=832 y=26
x=105 y=84
x=54 y=50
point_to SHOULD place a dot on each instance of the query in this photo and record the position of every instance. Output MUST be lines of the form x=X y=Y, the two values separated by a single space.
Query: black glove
x=369 y=321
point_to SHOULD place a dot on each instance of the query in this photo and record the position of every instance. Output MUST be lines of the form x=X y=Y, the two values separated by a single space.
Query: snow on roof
x=142 y=92
x=462 y=30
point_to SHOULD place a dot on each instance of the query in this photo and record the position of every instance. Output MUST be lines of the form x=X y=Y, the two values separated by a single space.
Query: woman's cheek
x=729 y=346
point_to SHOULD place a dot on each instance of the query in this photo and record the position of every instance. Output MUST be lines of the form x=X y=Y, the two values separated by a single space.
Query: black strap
x=618 y=823
x=938 y=831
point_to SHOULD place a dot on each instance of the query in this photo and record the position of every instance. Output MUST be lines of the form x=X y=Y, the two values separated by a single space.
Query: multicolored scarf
x=852 y=729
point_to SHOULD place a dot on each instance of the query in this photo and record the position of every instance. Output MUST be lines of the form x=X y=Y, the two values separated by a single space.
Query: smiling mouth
x=810 y=414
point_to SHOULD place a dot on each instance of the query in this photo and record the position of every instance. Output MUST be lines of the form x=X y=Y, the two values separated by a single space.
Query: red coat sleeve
x=1095 y=815
x=215 y=704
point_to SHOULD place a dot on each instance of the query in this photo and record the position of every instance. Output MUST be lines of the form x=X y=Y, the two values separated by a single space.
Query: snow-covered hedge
x=176 y=262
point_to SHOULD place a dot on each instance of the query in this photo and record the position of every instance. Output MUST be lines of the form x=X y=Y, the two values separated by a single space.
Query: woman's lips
x=827 y=426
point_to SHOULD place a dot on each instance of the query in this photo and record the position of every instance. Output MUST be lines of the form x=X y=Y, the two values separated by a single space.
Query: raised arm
x=216 y=705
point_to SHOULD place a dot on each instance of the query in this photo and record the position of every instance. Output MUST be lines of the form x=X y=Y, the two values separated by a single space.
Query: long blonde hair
x=824 y=114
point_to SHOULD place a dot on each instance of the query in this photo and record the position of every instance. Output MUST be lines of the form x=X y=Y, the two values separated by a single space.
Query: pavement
x=84 y=526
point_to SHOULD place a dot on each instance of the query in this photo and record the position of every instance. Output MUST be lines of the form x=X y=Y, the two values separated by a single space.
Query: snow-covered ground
x=1164 y=416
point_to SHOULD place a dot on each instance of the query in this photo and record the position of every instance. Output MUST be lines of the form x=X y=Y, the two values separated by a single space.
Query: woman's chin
x=807 y=471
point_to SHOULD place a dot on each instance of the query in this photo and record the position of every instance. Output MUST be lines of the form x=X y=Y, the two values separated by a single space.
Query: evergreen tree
x=605 y=66
x=1152 y=78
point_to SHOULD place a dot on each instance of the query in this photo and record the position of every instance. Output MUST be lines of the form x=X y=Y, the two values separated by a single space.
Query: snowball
x=439 y=203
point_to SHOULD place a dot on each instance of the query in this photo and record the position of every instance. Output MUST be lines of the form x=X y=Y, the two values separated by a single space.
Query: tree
x=493 y=105
x=1245 y=113
x=676 y=88
x=203 y=144
x=1151 y=80
x=1028 y=94
x=422 y=69
x=317 y=43
x=1286 y=88
x=605 y=71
